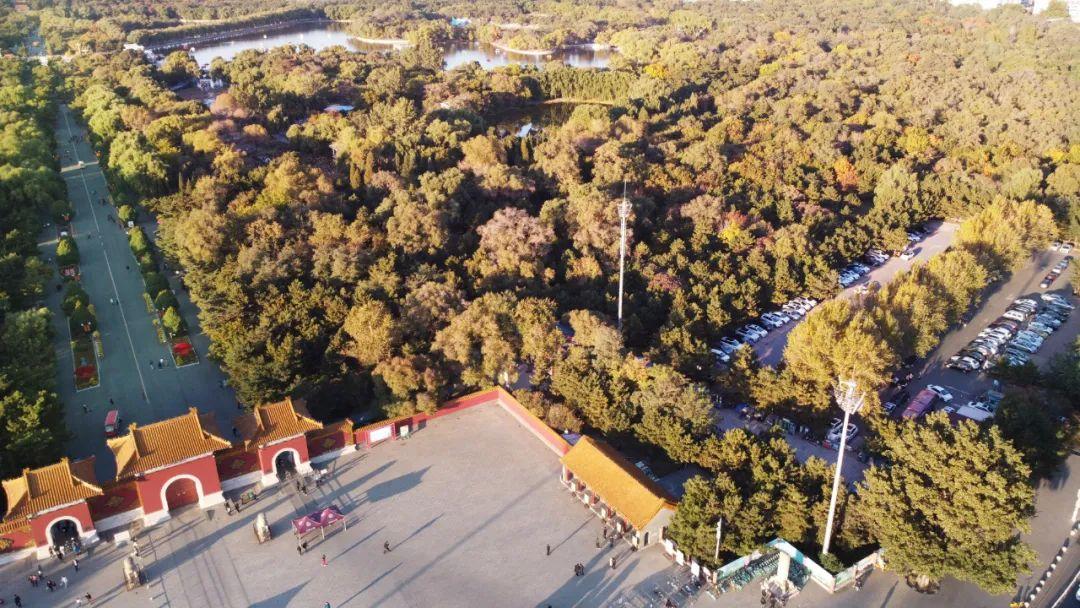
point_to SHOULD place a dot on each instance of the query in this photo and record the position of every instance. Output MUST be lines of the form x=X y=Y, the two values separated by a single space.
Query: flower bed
x=183 y=352
x=86 y=372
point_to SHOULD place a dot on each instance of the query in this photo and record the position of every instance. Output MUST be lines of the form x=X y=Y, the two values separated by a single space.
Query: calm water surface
x=324 y=35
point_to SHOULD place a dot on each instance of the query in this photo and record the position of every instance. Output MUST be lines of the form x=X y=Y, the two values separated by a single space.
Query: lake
x=324 y=35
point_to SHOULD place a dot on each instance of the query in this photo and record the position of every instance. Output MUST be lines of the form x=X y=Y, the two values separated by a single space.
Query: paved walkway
x=129 y=372
x=467 y=503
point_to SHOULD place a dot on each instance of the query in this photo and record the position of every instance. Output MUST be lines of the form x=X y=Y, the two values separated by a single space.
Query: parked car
x=747 y=336
x=771 y=320
x=834 y=433
x=1050 y=320
x=1065 y=248
x=1041 y=330
x=907 y=254
x=1024 y=346
x=1016 y=315
x=759 y=329
x=962 y=364
x=940 y=391
x=720 y=355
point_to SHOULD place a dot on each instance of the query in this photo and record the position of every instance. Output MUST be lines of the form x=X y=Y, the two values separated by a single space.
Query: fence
x=816 y=572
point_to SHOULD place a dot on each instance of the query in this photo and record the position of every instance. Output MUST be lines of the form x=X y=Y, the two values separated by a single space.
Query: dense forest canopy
x=31 y=192
x=411 y=249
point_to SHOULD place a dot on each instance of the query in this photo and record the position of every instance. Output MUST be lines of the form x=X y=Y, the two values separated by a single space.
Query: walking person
x=386 y=547
x=63 y=582
x=50 y=585
x=75 y=562
x=324 y=560
x=18 y=601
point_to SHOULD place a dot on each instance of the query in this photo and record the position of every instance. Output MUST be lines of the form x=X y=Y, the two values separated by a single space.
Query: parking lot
x=770 y=349
x=1023 y=284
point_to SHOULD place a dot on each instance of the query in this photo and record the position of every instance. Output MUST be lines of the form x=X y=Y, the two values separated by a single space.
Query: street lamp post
x=849 y=400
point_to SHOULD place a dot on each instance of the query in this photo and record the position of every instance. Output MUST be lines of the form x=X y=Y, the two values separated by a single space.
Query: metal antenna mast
x=624 y=212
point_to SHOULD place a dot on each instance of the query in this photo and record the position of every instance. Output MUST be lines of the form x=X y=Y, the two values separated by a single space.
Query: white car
x=940 y=391
x=908 y=254
x=834 y=432
x=772 y=321
x=1065 y=248
x=747 y=335
x=762 y=332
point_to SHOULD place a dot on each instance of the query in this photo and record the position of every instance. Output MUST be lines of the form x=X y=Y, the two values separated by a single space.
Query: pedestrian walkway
x=137 y=372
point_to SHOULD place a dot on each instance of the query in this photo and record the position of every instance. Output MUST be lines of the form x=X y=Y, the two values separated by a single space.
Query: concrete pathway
x=130 y=373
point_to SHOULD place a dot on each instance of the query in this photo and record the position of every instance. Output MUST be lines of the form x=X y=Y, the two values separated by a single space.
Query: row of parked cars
x=1055 y=272
x=1017 y=335
x=751 y=333
x=877 y=257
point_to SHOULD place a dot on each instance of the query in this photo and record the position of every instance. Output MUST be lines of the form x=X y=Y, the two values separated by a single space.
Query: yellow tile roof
x=162 y=443
x=50 y=486
x=272 y=422
x=616 y=482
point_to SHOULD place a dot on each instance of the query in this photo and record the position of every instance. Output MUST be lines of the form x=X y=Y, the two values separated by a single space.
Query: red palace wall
x=330 y=438
x=268 y=453
x=118 y=498
x=40 y=524
x=204 y=469
x=15 y=535
x=236 y=462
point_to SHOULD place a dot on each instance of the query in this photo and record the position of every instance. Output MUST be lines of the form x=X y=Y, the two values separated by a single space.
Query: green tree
x=952 y=503
x=126 y=213
x=173 y=322
x=138 y=242
x=833 y=342
x=67 y=252
x=137 y=164
x=372 y=331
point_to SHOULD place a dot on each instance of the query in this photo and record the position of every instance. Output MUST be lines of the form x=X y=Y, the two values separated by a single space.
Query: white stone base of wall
x=242 y=481
x=119 y=520
x=217 y=498
x=321 y=458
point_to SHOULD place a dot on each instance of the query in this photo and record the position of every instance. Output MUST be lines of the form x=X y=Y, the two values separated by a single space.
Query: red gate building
x=52 y=500
x=172 y=463
x=277 y=432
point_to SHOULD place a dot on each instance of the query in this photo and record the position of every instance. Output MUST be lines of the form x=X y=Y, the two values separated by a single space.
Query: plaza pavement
x=468 y=504
x=141 y=392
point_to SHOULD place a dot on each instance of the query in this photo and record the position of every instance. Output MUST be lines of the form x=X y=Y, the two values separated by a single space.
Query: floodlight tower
x=624 y=213
x=850 y=400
